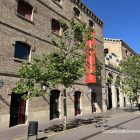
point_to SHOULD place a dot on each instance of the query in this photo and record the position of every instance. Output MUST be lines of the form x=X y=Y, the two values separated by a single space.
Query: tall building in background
x=115 y=50
x=24 y=29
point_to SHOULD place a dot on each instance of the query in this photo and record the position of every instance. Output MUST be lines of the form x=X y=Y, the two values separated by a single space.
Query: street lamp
x=1 y=82
x=90 y=90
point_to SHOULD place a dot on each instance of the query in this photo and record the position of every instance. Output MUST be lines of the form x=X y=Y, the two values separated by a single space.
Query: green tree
x=130 y=68
x=62 y=66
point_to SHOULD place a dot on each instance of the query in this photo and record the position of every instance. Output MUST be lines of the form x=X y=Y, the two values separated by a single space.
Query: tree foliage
x=130 y=68
x=62 y=66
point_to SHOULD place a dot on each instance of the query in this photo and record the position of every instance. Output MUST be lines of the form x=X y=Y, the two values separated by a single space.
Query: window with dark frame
x=91 y=24
x=22 y=50
x=55 y=27
x=126 y=52
x=106 y=51
x=25 y=10
x=76 y=12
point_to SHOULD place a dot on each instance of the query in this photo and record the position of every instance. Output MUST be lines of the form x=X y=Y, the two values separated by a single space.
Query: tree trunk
x=65 y=109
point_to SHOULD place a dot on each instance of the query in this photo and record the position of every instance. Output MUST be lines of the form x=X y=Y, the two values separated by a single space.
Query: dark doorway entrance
x=109 y=98
x=93 y=100
x=77 y=96
x=118 y=99
x=54 y=104
x=124 y=102
x=17 y=110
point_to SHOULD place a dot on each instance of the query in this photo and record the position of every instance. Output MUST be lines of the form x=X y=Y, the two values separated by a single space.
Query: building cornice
x=87 y=11
x=122 y=42
x=112 y=39
x=131 y=50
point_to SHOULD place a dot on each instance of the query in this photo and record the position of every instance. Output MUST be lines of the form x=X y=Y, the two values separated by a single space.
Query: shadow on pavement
x=43 y=138
x=131 y=110
x=97 y=121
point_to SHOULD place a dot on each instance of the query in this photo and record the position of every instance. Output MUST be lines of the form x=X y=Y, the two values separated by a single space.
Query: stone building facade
x=27 y=24
x=115 y=50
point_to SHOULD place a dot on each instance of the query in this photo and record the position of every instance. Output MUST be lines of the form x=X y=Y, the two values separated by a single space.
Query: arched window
x=91 y=24
x=25 y=10
x=126 y=52
x=77 y=103
x=76 y=12
x=56 y=27
x=109 y=79
x=54 y=104
x=22 y=50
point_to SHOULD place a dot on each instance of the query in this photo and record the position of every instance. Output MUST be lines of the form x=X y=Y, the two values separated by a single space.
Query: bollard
x=32 y=129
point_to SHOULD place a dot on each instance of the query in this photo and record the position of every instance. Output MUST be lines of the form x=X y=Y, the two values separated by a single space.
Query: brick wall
x=14 y=28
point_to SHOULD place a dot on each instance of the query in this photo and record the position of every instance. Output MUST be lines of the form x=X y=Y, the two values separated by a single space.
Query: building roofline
x=89 y=12
x=120 y=40
x=130 y=49
x=112 y=39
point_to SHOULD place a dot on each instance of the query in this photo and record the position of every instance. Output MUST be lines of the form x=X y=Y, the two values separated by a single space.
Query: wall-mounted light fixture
x=104 y=90
x=45 y=87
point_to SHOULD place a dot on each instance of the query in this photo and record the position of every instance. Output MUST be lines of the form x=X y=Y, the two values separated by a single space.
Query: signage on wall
x=90 y=62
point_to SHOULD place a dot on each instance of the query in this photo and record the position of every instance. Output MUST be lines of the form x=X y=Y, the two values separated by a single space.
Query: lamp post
x=1 y=83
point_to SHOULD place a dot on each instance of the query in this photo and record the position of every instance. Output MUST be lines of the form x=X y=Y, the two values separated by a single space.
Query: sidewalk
x=20 y=132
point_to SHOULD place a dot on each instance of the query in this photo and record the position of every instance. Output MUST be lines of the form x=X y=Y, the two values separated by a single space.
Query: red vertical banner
x=90 y=62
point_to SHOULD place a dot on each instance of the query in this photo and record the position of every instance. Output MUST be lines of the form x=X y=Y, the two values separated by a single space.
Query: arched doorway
x=109 y=82
x=77 y=96
x=17 y=110
x=109 y=98
x=93 y=100
x=124 y=101
x=54 y=104
x=118 y=98
x=117 y=84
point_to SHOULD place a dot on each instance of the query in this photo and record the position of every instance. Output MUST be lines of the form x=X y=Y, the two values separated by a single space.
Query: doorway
x=124 y=102
x=77 y=97
x=118 y=98
x=109 y=98
x=17 y=110
x=93 y=101
x=54 y=104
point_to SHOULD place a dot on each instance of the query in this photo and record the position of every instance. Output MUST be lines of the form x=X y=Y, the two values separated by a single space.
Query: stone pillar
x=104 y=100
x=121 y=97
x=114 y=96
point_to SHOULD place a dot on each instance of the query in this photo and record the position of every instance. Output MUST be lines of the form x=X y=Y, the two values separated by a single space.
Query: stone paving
x=99 y=119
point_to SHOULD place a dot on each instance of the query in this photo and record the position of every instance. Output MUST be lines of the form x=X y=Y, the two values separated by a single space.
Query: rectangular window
x=22 y=51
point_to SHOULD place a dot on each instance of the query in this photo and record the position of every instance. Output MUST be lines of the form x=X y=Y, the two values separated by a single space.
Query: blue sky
x=121 y=19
